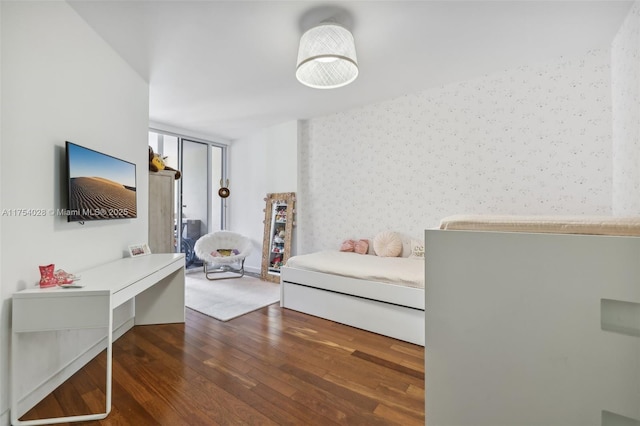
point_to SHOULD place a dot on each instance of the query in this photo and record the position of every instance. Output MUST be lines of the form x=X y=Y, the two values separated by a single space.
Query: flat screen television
x=99 y=186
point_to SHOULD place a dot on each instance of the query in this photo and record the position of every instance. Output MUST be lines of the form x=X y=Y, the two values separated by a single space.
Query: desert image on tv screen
x=100 y=186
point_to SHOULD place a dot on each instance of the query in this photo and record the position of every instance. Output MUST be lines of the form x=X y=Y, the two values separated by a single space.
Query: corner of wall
x=4 y=311
x=271 y=156
x=625 y=93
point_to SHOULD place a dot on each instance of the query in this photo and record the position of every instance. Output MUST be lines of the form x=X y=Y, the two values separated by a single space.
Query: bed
x=533 y=321
x=384 y=295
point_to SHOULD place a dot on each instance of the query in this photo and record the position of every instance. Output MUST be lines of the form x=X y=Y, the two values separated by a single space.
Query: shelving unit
x=278 y=234
x=276 y=249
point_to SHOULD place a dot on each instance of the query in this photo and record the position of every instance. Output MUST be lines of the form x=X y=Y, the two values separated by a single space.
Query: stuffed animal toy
x=156 y=163
x=276 y=262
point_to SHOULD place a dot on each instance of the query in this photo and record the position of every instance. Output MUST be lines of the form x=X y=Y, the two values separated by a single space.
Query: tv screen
x=99 y=186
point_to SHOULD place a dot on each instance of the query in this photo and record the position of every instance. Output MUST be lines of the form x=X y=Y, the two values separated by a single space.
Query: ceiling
x=226 y=69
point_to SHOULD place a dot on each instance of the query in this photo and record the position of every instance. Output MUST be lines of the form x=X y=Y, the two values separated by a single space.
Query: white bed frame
x=532 y=329
x=391 y=310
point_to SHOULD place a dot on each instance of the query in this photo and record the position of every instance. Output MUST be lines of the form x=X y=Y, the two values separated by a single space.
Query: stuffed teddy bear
x=156 y=163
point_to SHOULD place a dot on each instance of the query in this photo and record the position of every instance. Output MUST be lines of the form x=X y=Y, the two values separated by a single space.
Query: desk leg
x=55 y=420
x=162 y=303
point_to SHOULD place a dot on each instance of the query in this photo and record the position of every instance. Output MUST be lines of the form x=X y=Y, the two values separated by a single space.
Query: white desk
x=156 y=281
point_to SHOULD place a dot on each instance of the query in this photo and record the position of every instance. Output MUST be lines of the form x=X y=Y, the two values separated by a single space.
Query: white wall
x=531 y=140
x=4 y=417
x=262 y=163
x=625 y=82
x=60 y=82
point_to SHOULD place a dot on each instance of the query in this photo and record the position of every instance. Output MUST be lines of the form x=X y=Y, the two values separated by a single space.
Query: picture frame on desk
x=139 y=250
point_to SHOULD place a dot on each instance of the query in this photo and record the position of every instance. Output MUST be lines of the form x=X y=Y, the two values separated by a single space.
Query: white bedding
x=393 y=270
x=594 y=225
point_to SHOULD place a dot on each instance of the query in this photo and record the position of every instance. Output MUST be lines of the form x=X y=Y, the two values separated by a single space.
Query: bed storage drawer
x=383 y=318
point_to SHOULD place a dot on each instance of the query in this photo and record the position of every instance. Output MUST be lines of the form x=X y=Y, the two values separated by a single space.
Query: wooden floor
x=273 y=366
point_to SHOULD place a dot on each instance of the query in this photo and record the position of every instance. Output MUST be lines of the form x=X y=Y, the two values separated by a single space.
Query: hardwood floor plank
x=414 y=361
x=244 y=403
x=69 y=398
x=396 y=416
x=195 y=399
x=389 y=364
x=312 y=356
x=410 y=403
x=263 y=374
x=49 y=407
x=165 y=397
x=216 y=385
x=126 y=372
x=324 y=359
x=94 y=399
x=416 y=391
x=408 y=349
x=272 y=366
x=303 y=415
x=339 y=391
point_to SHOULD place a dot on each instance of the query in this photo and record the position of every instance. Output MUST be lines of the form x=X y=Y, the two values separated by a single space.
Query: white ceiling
x=227 y=68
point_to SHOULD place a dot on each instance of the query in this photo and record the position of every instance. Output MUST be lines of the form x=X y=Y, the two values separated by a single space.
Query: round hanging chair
x=221 y=251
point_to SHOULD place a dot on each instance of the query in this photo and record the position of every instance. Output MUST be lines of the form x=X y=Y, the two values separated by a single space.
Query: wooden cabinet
x=161 y=211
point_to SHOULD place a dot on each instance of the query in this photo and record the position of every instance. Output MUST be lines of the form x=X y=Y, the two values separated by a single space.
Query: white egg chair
x=223 y=251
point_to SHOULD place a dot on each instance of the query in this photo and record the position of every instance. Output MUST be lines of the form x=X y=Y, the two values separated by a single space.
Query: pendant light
x=327 y=57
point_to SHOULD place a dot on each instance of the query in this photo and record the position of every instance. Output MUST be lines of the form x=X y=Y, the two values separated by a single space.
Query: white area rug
x=229 y=298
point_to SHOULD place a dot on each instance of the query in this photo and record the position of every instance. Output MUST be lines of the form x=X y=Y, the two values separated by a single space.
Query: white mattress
x=393 y=270
x=593 y=225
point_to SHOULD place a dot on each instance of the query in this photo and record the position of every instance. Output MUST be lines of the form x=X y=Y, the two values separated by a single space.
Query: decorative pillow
x=387 y=244
x=417 y=250
x=361 y=246
x=347 y=245
x=225 y=252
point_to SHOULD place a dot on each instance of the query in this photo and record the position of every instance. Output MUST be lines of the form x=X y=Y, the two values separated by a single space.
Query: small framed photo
x=139 y=250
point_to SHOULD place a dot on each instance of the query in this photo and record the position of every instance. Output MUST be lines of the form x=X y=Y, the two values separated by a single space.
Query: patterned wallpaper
x=625 y=84
x=531 y=140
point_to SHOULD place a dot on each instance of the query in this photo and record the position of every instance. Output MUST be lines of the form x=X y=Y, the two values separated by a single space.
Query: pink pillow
x=361 y=246
x=347 y=245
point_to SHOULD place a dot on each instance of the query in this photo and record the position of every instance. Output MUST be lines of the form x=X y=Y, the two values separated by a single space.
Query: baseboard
x=253 y=269
x=33 y=397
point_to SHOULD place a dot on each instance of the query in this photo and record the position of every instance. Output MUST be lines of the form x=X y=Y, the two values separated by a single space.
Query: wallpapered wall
x=532 y=140
x=625 y=88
